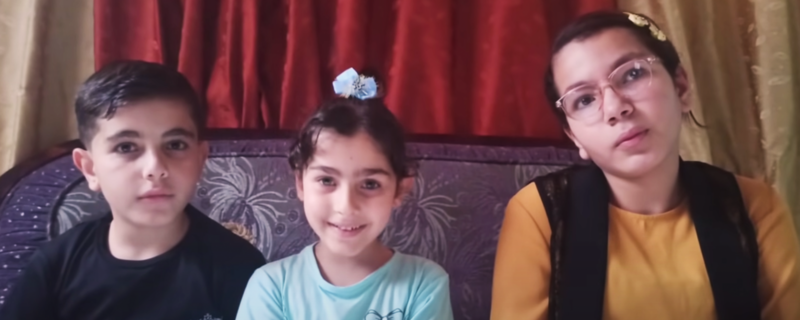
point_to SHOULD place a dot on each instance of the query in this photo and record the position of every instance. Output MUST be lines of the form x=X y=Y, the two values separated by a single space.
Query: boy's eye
x=177 y=145
x=326 y=181
x=125 y=148
x=371 y=185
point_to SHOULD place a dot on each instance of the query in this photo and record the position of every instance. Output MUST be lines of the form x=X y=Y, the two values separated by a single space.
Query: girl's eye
x=634 y=74
x=585 y=101
x=177 y=145
x=326 y=181
x=371 y=185
x=125 y=148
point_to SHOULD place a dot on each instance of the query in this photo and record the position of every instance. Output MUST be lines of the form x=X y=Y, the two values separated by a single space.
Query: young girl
x=351 y=170
x=639 y=234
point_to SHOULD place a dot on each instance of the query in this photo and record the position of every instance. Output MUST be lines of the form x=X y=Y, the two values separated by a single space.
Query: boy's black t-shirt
x=75 y=277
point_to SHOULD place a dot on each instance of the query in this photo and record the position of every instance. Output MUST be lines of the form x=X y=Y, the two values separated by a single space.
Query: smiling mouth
x=347 y=228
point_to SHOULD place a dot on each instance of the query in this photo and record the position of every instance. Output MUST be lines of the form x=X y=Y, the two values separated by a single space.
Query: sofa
x=452 y=216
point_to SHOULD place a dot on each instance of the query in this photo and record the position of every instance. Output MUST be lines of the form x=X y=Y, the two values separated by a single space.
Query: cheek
x=115 y=168
x=188 y=168
x=315 y=202
x=594 y=139
x=381 y=206
x=662 y=102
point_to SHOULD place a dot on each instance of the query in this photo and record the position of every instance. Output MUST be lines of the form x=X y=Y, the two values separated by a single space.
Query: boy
x=154 y=256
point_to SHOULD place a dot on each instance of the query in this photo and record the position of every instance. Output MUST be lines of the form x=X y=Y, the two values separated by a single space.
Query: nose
x=346 y=202
x=615 y=106
x=155 y=167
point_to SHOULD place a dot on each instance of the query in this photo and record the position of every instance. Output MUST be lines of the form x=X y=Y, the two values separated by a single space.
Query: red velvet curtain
x=471 y=67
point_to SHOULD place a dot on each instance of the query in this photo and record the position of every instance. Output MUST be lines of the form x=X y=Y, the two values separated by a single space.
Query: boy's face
x=348 y=192
x=146 y=160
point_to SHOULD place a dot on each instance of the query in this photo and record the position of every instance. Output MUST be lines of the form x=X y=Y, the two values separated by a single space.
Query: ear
x=83 y=160
x=683 y=89
x=403 y=189
x=298 y=183
x=581 y=151
x=204 y=150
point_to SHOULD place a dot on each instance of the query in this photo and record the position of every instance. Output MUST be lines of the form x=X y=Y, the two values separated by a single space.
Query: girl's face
x=623 y=109
x=348 y=192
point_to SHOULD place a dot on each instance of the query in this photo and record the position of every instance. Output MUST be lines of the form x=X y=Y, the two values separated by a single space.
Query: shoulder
x=761 y=200
x=420 y=270
x=276 y=273
x=225 y=244
x=528 y=198
x=549 y=188
x=66 y=248
x=292 y=263
x=75 y=239
x=420 y=264
x=527 y=209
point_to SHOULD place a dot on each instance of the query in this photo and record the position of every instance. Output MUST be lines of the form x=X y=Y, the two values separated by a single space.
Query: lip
x=155 y=195
x=630 y=136
x=347 y=230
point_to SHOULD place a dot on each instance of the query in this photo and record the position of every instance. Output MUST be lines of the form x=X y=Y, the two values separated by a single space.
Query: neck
x=127 y=241
x=655 y=192
x=346 y=271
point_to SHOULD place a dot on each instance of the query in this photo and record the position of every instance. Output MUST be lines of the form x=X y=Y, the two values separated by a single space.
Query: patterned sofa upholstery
x=452 y=217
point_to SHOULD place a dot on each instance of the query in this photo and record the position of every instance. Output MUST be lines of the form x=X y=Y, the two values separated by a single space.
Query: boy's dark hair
x=346 y=116
x=593 y=23
x=121 y=83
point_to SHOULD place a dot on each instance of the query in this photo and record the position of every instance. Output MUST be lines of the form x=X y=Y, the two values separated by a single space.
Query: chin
x=633 y=166
x=151 y=219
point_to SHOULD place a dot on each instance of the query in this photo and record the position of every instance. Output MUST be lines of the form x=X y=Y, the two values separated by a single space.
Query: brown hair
x=347 y=116
x=592 y=24
x=121 y=83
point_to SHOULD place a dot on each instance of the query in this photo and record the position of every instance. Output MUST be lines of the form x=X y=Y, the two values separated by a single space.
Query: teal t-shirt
x=407 y=287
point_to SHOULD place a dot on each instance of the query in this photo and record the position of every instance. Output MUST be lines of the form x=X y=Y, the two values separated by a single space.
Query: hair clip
x=641 y=21
x=351 y=84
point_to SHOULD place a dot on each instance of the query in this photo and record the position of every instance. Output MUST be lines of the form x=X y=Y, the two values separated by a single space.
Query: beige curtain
x=46 y=50
x=744 y=59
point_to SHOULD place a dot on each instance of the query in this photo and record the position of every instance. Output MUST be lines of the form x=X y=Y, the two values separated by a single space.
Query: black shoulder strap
x=727 y=239
x=552 y=190
x=577 y=205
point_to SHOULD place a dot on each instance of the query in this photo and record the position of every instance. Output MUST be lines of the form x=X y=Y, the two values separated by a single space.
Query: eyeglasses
x=630 y=80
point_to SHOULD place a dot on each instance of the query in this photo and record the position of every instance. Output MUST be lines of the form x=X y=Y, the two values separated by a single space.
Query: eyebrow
x=176 y=132
x=618 y=62
x=123 y=134
x=363 y=172
x=179 y=132
x=374 y=171
x=326 y=169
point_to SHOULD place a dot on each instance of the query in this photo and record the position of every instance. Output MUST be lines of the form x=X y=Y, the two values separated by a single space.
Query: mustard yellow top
x=655 y=266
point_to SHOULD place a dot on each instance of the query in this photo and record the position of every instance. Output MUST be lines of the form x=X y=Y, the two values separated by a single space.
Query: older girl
x=639 y=233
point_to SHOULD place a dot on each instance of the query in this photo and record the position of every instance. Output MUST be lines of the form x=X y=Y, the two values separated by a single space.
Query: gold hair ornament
x=641 y=21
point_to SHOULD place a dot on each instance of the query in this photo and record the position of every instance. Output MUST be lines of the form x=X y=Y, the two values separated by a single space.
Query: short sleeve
x=32 y=293
x=262 y=298
x=433 y=300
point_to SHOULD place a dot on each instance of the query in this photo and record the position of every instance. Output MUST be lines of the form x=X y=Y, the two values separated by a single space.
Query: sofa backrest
x=453 y=215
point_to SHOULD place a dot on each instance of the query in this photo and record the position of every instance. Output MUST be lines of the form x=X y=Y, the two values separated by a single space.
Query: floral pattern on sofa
x=452 y=216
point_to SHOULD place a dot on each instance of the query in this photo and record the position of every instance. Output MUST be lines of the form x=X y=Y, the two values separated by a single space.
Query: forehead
x=593 y=58
x=356 y=152
x=148 y=118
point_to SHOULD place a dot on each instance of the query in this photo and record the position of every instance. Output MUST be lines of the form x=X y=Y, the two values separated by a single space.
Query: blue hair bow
x=350 y=83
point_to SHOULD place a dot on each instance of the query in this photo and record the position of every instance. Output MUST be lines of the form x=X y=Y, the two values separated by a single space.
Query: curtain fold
x=742 y=58
x=46 y=50
x=470 y=67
